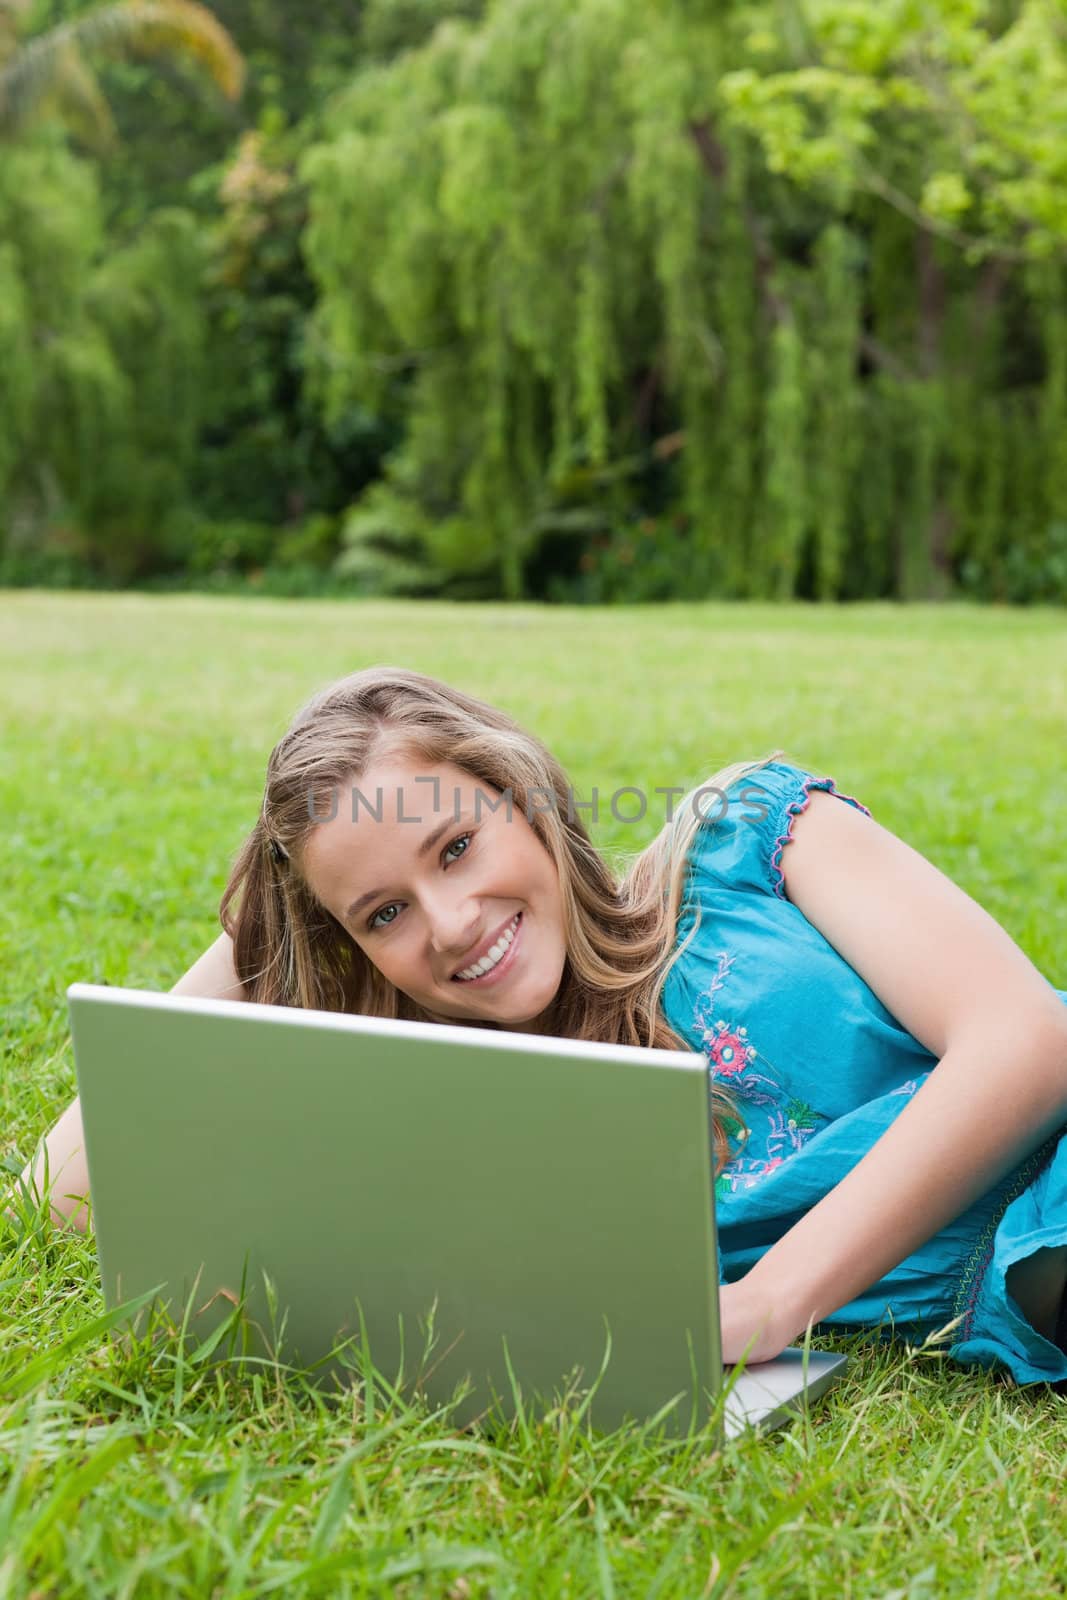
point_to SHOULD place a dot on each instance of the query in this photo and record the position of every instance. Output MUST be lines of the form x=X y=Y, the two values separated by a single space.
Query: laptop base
x=768 y=1394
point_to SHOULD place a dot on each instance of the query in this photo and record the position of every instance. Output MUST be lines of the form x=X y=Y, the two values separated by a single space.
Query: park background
x=618 y=301
x=431 y=334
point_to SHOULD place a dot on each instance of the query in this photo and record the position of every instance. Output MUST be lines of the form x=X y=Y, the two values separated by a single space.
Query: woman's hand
x=750 y=1316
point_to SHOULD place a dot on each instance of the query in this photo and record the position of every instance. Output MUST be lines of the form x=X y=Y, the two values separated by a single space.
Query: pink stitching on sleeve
x=794 y=809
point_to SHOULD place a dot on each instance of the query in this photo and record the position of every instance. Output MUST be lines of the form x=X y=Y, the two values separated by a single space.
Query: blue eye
x=461 y=838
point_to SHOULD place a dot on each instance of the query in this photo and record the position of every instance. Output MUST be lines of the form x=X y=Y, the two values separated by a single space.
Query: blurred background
x=578 y=301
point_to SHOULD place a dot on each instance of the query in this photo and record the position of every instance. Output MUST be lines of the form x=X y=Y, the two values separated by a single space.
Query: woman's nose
x=452 y=928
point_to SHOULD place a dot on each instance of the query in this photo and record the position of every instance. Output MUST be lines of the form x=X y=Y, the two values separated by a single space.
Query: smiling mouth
x=505 y=959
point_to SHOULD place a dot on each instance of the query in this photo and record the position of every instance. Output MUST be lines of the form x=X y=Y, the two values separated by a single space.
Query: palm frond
x=81 y=103
x=142 y=27
x=11 y=15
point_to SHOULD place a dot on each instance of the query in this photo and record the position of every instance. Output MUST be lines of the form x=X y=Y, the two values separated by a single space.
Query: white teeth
x=493 y=954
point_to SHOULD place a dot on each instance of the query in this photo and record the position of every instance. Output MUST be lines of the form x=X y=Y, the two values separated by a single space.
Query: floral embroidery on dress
x=729 y=1051
x=801 y=1115
x=732 y=1056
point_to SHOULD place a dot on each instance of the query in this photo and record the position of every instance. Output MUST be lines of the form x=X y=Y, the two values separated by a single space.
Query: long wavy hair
x=620 y=935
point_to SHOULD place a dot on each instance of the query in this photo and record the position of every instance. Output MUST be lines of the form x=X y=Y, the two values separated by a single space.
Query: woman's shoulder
x=746 y=824
x=212 y=976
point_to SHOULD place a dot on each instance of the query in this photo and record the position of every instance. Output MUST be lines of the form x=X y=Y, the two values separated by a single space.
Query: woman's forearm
x=996 y=1095
x=68 y=1174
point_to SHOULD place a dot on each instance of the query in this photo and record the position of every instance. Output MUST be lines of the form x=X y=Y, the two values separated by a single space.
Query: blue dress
x=819 y=1069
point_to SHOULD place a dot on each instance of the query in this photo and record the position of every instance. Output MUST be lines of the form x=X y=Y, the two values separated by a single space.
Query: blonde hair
x=620 y=935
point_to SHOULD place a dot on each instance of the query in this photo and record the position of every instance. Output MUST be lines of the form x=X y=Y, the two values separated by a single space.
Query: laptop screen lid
x=534 y=1191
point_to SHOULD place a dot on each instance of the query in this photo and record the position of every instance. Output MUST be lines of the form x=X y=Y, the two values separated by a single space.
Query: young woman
x=888 y=1071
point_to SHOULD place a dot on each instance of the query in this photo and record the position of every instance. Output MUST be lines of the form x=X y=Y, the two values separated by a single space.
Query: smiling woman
x=410 y=834
x=466 y=921
x=887 y=1071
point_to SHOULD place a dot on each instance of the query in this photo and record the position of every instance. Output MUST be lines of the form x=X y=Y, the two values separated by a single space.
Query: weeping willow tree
x=937 y=134
x=100 y=353
x=517 y=215
x=568 y=235
x=100 y=346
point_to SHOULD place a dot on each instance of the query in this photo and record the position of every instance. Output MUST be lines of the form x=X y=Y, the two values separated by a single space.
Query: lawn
x=136 y=734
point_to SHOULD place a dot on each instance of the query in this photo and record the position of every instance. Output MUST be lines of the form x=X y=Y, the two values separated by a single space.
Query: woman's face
x=426 y=896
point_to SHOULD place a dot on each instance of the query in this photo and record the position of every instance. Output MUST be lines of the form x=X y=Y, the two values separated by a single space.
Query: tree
x=50 y=72
x=807 y=239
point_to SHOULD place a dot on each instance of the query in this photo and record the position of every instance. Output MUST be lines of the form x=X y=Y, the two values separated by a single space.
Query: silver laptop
x=520 y=1215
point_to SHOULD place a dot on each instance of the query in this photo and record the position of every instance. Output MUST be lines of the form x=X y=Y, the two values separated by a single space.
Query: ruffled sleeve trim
x=794 y=809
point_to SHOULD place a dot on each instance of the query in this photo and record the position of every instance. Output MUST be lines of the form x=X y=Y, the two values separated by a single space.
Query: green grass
x=136 y=733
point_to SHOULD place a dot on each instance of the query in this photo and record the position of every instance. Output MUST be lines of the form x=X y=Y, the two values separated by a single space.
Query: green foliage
x=16 y=363
x=487 y=285
x=563 y=198
x=386 y=545
x=392 y=547
x=146 y=298
x=831 y=337
x=977 y=110
x=224 y=547
x=1031 y=574
x=264 y=453
x=51 y=70
x=735 y=317
x=104 y=415
x=388 y=27
x=785 y=497
x=466 y=181
x=648 y=559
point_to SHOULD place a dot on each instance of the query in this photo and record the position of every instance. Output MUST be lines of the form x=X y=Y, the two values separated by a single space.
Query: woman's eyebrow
x=424 y=849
